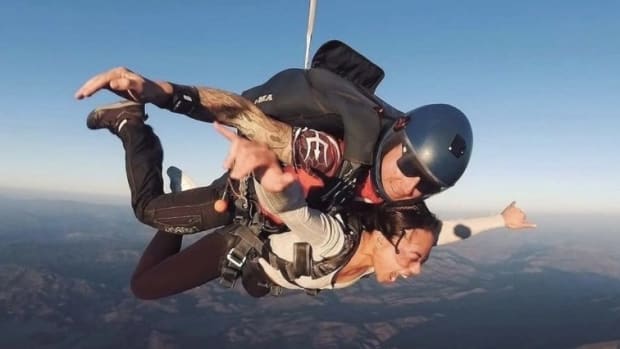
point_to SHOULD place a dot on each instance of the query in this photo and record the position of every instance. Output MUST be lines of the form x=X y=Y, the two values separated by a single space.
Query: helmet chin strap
x=378 y=182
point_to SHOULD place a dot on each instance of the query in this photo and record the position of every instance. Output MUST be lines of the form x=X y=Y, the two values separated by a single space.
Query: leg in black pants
x=184 y=212
x=164 y=271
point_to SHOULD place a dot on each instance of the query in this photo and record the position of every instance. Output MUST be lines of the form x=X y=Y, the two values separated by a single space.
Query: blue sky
x=538 y=79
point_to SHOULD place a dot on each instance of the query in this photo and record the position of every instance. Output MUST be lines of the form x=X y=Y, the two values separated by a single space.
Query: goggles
x=408 y=164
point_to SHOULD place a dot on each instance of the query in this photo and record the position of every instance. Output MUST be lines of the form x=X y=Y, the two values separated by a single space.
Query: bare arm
x=461 y=229
x=511 y=217
x=234 y=110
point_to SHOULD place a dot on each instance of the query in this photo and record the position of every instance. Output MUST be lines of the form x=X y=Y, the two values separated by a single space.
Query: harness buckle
x=275 y=290
x=229 y=277
x=234 y=259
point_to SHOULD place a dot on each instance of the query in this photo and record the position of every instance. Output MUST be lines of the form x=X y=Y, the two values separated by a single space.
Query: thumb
x=522 y=225
x=225 y=131
x=287 y=179
x=275 y=181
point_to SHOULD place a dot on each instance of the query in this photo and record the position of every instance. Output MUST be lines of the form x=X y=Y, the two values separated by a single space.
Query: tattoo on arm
x=236 y=111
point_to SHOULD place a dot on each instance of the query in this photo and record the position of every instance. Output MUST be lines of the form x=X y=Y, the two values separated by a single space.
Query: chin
x=385 y=280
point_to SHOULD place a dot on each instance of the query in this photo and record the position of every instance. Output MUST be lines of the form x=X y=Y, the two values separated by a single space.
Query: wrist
x=180 y=99
x=164 y=96
x=504 y=221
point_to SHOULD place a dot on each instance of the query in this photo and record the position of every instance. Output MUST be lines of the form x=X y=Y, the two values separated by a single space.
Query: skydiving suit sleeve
x=461 y=229
x=316 y=152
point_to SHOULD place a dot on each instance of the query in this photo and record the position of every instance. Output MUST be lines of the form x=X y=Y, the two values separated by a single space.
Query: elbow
x=141 y=290
x=462 y=231
x=453 y=233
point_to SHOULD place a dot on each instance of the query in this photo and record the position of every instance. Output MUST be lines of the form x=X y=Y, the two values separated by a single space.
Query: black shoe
x=110 y=116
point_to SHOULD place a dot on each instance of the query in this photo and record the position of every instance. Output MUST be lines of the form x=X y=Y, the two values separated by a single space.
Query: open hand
x=127 y=84
x=246 y=157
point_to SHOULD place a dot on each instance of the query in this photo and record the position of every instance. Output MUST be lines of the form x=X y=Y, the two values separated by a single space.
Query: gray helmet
x=436 y=141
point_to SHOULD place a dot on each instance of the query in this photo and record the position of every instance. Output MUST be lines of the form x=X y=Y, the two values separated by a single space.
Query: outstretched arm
x=511 y=217
x=214 y=105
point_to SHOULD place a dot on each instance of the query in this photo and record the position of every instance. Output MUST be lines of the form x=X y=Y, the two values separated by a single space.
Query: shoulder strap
x=304 y=265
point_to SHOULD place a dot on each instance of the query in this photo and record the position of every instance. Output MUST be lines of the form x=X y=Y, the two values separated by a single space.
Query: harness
x=337 y=96
x=250 y=230
x=334 y=66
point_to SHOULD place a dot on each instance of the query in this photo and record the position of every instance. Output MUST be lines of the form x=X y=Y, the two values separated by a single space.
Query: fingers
x=91 y=86
x=515 y=218
x=96 y=83
x=121 y=84
x=241 y=158
x=274 y=179
x=287 y=179
x=224 y=131
x=510 y=206
x=524 y=221
x=246 y=157
x=229 y=161
x=239 y=169
x=106 y=80
x=521 y=222
x=529 y=225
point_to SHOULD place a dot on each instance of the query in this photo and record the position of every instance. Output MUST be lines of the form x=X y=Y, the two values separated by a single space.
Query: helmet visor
x=409 y=165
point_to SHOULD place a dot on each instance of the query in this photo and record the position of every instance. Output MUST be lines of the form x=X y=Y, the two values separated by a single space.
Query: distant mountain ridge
x=28 y=218
x=65 y=268
x=39 y=194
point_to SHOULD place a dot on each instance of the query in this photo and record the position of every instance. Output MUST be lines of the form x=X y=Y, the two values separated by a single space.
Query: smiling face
x=396 y=185
x=413 y=250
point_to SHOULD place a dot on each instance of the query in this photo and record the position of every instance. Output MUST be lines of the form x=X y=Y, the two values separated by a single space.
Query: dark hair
x=392 y=219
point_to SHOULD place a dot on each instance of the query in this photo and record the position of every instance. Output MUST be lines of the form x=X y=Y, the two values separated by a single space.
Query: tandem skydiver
x=398 y=174
x=369 y=148
x=320 y=251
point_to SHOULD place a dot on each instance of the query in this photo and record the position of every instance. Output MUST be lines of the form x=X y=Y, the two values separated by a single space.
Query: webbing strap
x=238 y=254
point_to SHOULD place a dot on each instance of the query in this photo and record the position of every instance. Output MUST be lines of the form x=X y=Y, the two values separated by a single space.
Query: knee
x=140 y=289
x=143 y=215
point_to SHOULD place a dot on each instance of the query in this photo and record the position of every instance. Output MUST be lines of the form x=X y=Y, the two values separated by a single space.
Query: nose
x=415 y=269
x=412 y=183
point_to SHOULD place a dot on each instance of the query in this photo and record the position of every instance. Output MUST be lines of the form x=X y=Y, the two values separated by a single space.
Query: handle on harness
x=341 y=190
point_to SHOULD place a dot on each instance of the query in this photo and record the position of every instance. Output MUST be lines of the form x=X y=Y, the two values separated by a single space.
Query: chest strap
x=246 y=227
x=303 y=263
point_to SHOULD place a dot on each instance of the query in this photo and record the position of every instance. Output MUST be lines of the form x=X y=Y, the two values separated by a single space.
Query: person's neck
x=361 y=261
